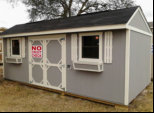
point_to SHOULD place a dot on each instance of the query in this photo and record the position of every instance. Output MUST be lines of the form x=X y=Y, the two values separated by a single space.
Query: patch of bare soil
x=15 y=97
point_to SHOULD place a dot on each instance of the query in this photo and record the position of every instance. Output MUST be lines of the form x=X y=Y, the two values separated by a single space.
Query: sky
x=10 y=16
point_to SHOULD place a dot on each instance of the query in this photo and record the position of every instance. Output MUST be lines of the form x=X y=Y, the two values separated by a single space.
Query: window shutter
x=74 y=47
x=23 y=47
x=8 y=48
x=108 y=47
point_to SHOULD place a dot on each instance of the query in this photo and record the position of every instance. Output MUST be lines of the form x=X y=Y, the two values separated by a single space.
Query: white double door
x=47 y=62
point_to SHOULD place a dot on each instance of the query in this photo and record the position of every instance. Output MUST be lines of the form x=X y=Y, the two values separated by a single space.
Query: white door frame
x=44 y=63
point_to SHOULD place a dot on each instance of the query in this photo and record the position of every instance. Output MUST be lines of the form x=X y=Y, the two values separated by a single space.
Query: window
x=15 y=50
x=16 y=47
x=91 y=47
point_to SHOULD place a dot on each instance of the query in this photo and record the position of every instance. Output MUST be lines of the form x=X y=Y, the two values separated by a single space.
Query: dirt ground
x=15 y=97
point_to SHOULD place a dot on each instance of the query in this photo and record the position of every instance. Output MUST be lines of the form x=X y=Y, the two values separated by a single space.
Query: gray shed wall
x=17 y=72
x=108 y=85
x=139 y=22
x=139 y=63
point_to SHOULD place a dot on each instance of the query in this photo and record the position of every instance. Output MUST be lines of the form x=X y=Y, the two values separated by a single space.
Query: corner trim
x=127 y=68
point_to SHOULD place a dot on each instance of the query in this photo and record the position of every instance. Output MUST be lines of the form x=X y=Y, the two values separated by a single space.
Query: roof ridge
x=81 y=15
x=102 y=18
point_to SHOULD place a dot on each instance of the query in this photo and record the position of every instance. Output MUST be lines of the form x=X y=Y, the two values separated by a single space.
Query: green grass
x=15 y=97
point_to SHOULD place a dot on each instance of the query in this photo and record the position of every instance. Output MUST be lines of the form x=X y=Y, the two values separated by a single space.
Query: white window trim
x=108 y=47
x=127 y=68
x=74 y=47
x=19 y=48
x=100 y=34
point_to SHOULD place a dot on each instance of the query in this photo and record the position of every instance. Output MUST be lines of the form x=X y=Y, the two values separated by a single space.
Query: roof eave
x=74 y=30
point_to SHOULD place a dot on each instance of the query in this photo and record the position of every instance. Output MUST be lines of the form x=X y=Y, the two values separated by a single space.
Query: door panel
x=50 y=69
x=56 y=78
x=37 y=74
x=38 y=43
x=54 y=62
x=54 y=51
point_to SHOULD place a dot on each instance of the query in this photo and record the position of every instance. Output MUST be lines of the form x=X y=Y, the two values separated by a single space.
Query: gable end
x=138 y=21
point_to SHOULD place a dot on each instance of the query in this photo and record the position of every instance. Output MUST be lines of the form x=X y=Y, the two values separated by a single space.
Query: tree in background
x=51 y=9
x=120 y=4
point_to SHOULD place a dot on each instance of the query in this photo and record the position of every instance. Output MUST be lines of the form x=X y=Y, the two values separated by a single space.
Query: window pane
x=15 y=47
x=90 y=47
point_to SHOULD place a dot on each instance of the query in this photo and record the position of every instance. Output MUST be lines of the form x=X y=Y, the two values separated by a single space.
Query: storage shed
x=102 y=56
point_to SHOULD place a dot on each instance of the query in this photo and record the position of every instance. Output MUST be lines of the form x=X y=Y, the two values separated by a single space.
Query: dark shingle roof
x=112 y=17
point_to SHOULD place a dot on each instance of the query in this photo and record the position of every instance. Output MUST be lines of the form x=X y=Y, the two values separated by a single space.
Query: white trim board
x=84 y=29
x=73 y=30
x=74 y=47
x=138 y=30
x=108 y=47
x=127 y=68
x=145 y=20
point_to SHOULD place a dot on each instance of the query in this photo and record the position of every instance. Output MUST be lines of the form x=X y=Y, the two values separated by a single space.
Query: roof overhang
x=73 y=30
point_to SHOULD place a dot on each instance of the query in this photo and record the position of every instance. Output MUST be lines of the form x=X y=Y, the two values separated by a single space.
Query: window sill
x=90 y=63
x=14 y=60
x=88 y=66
